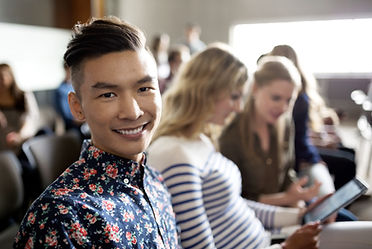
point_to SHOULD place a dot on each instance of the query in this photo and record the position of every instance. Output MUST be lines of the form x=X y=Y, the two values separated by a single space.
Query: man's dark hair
x=98 y=37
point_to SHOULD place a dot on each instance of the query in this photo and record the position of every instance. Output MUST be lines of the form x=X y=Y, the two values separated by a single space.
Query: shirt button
x=126 y=181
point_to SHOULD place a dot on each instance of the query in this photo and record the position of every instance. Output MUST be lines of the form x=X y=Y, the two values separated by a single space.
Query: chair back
x=50 y=155
x=11 y=185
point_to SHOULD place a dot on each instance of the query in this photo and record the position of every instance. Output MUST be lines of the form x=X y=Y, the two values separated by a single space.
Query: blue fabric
x=345 y=215
x=61 y=103
x=304 y=149
x=101 y=201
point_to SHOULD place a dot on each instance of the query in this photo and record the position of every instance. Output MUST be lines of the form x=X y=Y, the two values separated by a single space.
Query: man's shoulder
x=64 y=190
x=55 y=197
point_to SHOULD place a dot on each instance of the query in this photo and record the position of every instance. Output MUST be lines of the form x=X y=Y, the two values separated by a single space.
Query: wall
x=30 y=12
x=216 y=16
x=35 y=54
x=337 y=91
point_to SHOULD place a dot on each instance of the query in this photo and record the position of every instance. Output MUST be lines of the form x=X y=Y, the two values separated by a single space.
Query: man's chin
x=135 y=156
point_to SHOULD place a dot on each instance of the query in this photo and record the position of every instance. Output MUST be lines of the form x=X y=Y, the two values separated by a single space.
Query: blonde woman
x=260 y=139
x=205 y=186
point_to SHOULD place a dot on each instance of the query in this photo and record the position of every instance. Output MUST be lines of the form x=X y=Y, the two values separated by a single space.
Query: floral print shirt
x=101 y=201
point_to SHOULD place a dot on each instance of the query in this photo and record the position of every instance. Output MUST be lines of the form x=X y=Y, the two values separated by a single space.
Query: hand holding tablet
x=341 y=198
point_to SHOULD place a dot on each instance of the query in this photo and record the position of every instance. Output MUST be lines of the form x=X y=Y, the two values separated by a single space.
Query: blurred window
x=334 y=46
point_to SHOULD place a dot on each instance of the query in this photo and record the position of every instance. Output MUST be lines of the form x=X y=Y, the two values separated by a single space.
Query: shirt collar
x=88 y=150
x=100 y=160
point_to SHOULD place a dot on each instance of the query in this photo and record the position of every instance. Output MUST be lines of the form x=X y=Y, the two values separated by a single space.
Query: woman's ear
x=75 y=107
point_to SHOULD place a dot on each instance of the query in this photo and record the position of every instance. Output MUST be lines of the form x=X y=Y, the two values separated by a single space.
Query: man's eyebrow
x=147 y=78
x=104 y=85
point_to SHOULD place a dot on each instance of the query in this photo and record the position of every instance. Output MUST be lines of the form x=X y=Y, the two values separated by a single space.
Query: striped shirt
x=205 y=188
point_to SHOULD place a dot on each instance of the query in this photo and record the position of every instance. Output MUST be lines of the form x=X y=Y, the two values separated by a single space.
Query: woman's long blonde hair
x=270 y=68
x=189 y=103
x=317 y=106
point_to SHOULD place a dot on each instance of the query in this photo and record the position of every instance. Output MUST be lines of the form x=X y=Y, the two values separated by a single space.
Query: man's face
x=120 y=101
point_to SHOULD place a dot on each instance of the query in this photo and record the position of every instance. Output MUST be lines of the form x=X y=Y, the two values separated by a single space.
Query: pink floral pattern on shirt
x=101 y=201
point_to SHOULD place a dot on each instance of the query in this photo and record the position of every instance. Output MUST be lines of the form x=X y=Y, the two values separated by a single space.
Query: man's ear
x=75 y=107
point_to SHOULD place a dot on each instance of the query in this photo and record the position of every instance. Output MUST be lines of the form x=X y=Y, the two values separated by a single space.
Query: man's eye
x=107 y=95
x=144 y=89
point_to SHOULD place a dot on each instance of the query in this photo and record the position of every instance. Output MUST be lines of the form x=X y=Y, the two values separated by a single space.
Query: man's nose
x=129 y=108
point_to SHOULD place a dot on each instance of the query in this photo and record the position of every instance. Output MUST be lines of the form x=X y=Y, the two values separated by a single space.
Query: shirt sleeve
x=304 y=149
x=51 y=226
x=57 y=224
x=273 y=217
x=185 y=186
x=32 y=116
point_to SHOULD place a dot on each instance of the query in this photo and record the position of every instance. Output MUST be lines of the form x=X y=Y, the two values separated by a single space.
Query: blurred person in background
x=315 y=124
x=61 y=101
x=192 y=38
x=260 y=140
x=159 y=49
x=178 y=54
x=19 y=112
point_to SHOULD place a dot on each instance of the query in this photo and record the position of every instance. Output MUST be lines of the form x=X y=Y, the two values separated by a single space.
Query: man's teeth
x=131 y=132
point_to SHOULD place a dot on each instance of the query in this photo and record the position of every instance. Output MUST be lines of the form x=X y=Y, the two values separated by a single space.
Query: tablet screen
x=342 y=197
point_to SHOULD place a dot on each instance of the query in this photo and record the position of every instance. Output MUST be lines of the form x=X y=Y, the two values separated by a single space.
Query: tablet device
x=341 y=198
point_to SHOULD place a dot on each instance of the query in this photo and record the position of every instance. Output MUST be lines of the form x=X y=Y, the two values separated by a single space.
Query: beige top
x=18 y=121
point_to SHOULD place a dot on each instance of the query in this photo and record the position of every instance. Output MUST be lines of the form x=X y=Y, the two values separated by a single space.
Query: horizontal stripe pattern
x=206 y=197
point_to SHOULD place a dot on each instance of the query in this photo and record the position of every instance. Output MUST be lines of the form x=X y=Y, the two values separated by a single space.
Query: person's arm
x=280 y=199
x=185 y=185
x=33 y=114
x=170 y=156
x=294 y=196
x=232 y=149
x=275 y=216
x=304 y=149
x=30 y=122
x=50 y=226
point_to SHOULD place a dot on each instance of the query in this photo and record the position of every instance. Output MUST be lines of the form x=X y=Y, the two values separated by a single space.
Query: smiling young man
x=109 y=198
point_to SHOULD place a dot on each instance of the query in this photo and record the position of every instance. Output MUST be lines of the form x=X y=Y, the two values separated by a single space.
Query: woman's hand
x=297 y=193
x=305 y=237
x=14 y=139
